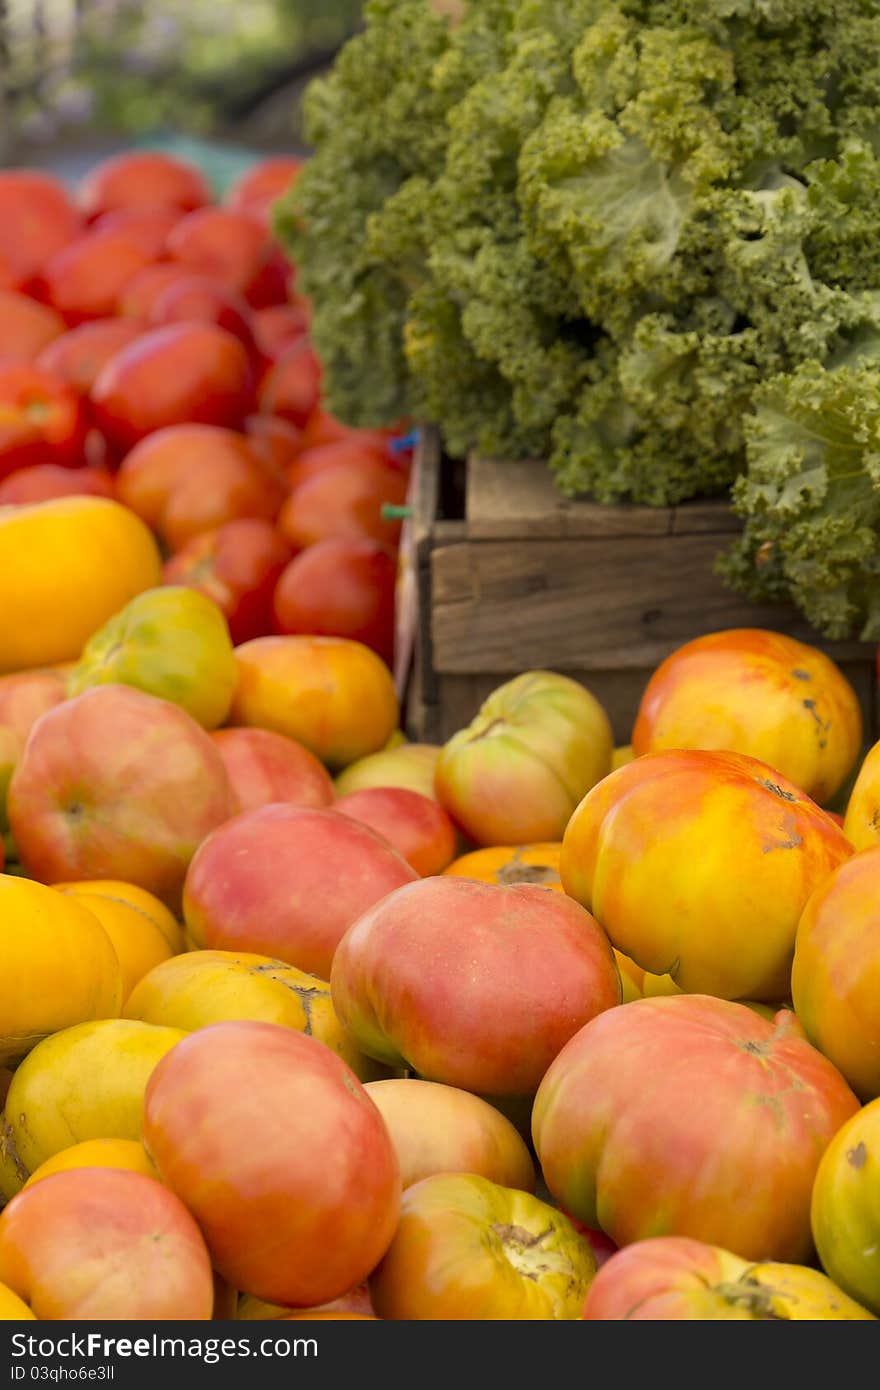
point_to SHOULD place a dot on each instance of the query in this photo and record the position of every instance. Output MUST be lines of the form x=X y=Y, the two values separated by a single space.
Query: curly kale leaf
x=811 y=498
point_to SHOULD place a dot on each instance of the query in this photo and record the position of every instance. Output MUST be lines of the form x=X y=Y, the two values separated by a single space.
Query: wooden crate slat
x=621 y=602
x=502 y=494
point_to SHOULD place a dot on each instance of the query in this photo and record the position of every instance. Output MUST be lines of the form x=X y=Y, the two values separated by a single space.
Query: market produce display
x=301 y=1019
x=632 y=238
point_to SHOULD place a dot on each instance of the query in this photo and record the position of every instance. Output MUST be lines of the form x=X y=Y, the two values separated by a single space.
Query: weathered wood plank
x=508 y=499
x=426 y=483
x=614 y=603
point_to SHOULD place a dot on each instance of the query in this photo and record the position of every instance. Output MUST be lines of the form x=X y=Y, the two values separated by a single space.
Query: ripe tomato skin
x=79 y=354
x=42 y=419
x=238 y=566
x=85 y=279
x=341 y=587
x=291 y=387
x=148 y=226
x=256 y=191
x=233 y=250
x=347 y=500
x=280 y=326
x=139 y=296
x=275 y=441
x=26 y=327
x=37 y=219
x=201 y=300
x=142 y=179
x=351 y=449
x=190 y=478
x=186 y=372
x=48 y=480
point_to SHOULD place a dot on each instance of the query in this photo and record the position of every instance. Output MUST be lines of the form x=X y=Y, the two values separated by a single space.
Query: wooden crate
x=523 y=578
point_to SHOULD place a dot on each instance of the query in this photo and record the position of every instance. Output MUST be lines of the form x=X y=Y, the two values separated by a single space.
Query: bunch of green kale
x=638 y=239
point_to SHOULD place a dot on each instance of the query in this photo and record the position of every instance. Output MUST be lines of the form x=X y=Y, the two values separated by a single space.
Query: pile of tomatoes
x=154 y=349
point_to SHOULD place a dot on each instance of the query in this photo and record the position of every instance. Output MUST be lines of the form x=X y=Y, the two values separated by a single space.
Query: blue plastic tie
x=404 y=442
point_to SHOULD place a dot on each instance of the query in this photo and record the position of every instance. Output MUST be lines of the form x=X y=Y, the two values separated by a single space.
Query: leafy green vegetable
x=638 y=239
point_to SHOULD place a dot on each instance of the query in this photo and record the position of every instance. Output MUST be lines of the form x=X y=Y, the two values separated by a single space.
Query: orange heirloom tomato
x=468 y=1249
x=332 y=694
x=760 y=693
x=861 y=823
x=698 y=864
x=835 y=979
x=672 y=1278
x=845 y=1210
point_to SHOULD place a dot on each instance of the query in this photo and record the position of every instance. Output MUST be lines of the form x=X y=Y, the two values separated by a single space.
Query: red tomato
x=48 y=480
x=143 y=179
x=344 y=501
x=292 y=385
x=80 y=353
x=342 y=587
x=187 y=372
x=234 y=250
x=37 y=218
x=138 y=298
x=256 y=191
x=414 y=824
x=201 y=300
x=189 y=478
x=238 y=566
x=279 y=327
x=42 y=419
x=323 y=428
x=85 y=279
x=148 y=226
x=274 y=440
x=351 y=449
x=25 y=327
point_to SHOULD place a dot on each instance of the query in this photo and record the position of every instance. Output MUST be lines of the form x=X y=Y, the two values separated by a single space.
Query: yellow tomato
x=142 y=929
x=12 y=1308
x=65 y=567
x=845 y=1210
x=58 y=965
x=198 y=988
x=98 y=1153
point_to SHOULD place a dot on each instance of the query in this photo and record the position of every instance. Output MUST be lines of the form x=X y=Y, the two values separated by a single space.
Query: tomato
x=37 y=219
x=142 y=179
x=255 y=885
x=700 y=864
x=712 y=1129
x=80 y=354
x=42 y=419
x=43 y=481
x=539 y=965
x=334 y=695
x=351 y=450
x=324 y=428
x=26 y=327
x=466 y=1248
x=263 y=767
x=340 y=588
x=185 y=480
x=234 y=250
x=507 y=864
x=276 y=442
x=148 y=226
x=199 y=299
x=861 y=823
x=835 y=978
x=256 y=191
x=85 y=280
x=237 y=565
x=190 y=372
x=672 y=1278
x=301 y=1212
x=345 y=501
x=279 y=327
x=414 y=824
x=845 y=1211
x=292 y=385
x=139 y=296
x=759 y=693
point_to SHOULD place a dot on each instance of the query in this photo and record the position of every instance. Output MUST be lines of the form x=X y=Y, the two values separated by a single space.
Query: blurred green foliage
x=122 y=65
